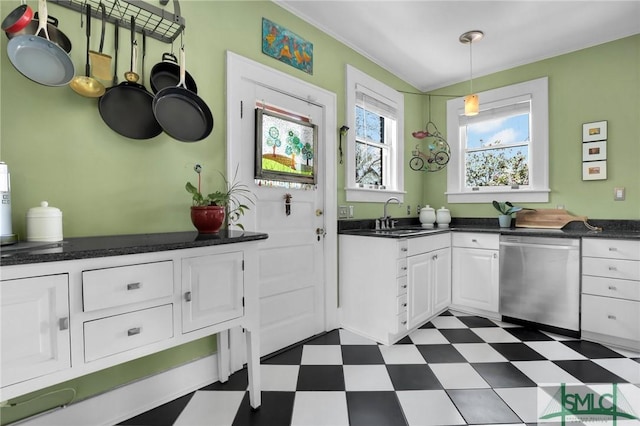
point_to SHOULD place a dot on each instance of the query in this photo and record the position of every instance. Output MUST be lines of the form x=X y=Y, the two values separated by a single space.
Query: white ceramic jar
x=44 y=223
x=443 y=217
x=427 y=217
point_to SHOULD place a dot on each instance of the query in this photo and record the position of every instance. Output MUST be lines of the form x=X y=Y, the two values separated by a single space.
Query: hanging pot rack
x=154 y=21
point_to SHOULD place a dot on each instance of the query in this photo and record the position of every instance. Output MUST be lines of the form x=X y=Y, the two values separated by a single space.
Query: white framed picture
x=594 y=151
x=594 y=170
x=596 y=131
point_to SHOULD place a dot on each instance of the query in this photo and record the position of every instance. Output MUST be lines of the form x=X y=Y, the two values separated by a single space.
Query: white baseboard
x=132 y=399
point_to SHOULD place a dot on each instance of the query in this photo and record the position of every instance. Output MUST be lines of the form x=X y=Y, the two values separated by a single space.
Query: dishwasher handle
x=540 y=246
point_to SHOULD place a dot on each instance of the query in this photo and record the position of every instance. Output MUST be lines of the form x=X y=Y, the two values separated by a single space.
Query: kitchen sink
x=405 y=232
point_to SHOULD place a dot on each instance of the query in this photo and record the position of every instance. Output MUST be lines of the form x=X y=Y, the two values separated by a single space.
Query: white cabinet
x=611 y=292
x=390 y=286
x=475 y=274
x=35 y=327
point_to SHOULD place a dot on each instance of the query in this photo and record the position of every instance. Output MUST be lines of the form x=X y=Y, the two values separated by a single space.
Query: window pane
x=500 y=131
x=497 y=167
x=368 y=164
x=369 y=125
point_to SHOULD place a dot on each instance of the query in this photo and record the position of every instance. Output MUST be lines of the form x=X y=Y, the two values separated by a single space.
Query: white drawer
x=402 y=285
x=109 y=287
x=475 y=240
x=612 y=268
x=611 y=287
x=428 y=243
x=402 y=322
x=402 y=248
x=401 y=267
x=614 y=317
x=112 y=335
x=615 y=249
x=402 y=304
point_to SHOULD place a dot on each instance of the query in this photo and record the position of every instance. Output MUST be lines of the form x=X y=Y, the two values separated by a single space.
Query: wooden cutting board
x=545 y=218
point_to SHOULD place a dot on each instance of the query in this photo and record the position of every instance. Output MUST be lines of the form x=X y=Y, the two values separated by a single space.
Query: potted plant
x=208 y=212
x=506 y=209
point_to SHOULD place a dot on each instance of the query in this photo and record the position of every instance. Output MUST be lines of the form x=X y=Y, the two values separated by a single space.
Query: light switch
x=618 y=194
x=343 y=212
x=350 y=211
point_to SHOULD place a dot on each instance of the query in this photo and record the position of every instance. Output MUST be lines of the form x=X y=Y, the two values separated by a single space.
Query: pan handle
x=50 y=19
x=170 y=57
x=44 y=15
x=182 y=69
x=87 y=67
x=104 y=22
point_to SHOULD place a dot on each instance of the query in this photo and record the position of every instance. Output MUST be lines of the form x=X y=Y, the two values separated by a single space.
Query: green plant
x=235 y=197
x=506 y=208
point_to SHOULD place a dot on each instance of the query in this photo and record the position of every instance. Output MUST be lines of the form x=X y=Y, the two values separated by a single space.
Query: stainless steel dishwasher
x=540 y=281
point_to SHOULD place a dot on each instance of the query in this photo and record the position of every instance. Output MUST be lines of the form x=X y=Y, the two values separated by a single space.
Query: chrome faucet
x=385 y=221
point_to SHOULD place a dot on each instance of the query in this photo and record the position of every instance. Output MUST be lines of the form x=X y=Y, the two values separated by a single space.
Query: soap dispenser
x=427 y=216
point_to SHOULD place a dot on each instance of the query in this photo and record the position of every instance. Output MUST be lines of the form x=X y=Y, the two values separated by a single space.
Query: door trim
x=240 y=68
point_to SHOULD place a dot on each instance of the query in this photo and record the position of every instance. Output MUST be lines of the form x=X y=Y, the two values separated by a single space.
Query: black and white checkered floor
x=456 y=369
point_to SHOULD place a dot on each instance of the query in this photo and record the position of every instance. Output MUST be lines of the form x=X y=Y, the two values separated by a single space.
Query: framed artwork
x=594 y=151
x=286 y=46
x=596 y=131
x=594 y=170
x=286 y=148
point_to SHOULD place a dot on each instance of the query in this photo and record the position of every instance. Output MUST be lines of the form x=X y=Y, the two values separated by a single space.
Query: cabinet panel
x=613 y=268
x=441 y=279
x=109 y=287
x=476 y=240
x=419 y=294
x=34 y=327
x=612 y=317
x=613 y=249
x=428 y=243
x=610 y=287
x=474 y=281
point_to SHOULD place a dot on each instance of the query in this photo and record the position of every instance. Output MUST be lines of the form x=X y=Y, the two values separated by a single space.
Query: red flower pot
x=207 y=219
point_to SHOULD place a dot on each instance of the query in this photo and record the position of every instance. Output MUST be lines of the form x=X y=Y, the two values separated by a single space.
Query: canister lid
x=44 y=211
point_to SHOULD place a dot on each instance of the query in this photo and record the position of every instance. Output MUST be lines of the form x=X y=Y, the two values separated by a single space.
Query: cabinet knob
x=473 y=240
x=404 y=286
x=495 y=255
x=612 y=287
x=434 y=257
x=404 y=268
x=63 y=323
x=404 y=305
x=134 y=286
x=611 y=317
x=133 y=331
x=404 y=249
x=404 y=322
x=187 y=296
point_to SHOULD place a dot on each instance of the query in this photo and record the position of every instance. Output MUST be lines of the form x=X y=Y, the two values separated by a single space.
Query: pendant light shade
x=471 y=102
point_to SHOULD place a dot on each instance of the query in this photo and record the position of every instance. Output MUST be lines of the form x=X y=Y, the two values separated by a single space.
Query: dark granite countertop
x=117 y=245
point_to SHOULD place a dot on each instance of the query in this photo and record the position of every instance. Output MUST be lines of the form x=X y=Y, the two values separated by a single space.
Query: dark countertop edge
x=119 y=245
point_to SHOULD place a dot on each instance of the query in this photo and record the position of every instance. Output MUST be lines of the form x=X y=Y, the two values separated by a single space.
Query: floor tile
x=219 y=408
x=626 y=352
x=430 y=336
x=412 y=377
x=449 y=313
x=321 y=355
x=495 y=335
x=461 y=335
x=558 y=337
x=276 y=409
x=517 y=351
x=238 y=381
x=505 y=324
x=290 y=357
x=592 y=349
x=447 y=322
x=330 y=338
x=427 y=325
x=523 y=401
x=320 y=409
x=367 y=378
x=503 y=375
x=440 y=353
x=458 y=376
x=374 y=409
x=320 y=378
x=554 y=350
x=622 y=367
x=479 y=352
x=406 y=340
x=528 y=334
x=279 y=377
x=476 y=322
x=588 y=371
x=429 y=407
x=544 y=372
x=166 y=414
x=482 y=406
x=401 y=354
x=361 y=354
x=349 y=338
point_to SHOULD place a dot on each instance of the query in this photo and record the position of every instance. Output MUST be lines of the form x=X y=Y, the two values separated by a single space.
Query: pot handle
x=170 y=57
x=42 y=23
x=183 y=71
x=50 y=19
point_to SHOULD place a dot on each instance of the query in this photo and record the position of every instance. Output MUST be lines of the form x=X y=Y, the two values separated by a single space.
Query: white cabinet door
x=419 y=291
x=212 y=290
x=35 y=327
x=475 y=278
x=441 y=279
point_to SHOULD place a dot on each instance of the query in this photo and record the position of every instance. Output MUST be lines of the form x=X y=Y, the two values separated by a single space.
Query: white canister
x=443 y=217
x=44 y=223
x=427 y=217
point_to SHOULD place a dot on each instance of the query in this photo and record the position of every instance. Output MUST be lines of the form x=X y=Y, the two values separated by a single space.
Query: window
x=501 y=153
x=374 y=154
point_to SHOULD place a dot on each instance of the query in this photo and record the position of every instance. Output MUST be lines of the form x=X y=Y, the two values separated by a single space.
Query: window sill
x=516 y=195
x=364 y=195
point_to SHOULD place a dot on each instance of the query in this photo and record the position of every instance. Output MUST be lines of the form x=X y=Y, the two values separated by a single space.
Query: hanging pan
x=55 y=35
x=167 y=74
x=38 y=58
x=85 y=85
x=182 y=114
x=18 y=18
x=127 y=108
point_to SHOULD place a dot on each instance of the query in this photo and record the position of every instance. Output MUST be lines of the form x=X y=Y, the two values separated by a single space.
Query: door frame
x=240 y=68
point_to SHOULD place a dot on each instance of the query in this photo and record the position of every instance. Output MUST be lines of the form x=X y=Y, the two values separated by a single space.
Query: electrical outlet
x=418 y=208
x=350 y=211
x=618 y=194
x=408 y=209
x=343 y=212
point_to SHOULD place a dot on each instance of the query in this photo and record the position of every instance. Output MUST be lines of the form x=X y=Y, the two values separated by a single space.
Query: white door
x=292 y=260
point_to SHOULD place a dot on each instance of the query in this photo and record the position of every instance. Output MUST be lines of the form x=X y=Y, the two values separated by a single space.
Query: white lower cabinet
x=35 y=327
x=429 y=289
x=475 y=274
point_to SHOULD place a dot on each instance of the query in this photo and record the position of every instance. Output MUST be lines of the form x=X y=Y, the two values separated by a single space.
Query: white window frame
x=357 y=81
x=538 y=189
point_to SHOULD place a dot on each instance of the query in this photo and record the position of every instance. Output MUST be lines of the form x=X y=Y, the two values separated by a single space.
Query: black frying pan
x=167 y=74
x=182 y=114
x=128 y=107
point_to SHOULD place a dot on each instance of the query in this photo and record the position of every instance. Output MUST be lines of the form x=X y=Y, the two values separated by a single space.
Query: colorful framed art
x=286 y=46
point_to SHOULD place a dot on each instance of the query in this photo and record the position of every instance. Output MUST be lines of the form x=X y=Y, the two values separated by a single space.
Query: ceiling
x=418 y=40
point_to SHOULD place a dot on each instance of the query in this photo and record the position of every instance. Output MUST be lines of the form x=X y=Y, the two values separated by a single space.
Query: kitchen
x=107 y=185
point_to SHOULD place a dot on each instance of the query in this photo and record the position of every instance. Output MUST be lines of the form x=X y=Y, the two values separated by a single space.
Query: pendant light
x=471 y=104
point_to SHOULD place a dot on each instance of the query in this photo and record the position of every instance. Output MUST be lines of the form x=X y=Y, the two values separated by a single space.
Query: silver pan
x=38 y=58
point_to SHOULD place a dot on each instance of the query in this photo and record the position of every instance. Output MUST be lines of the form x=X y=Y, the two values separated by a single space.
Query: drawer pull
x=612 y=317
x=434 y=257
x=404 y=305
x=495 y=255
x=612 y=287
x=613 y=249
x=613 y=268
x=404 y=268
x=133 y=331
x=134 y=286
x=404 y=249
x=404 y=322
x=63 y=323
x=404 y=286
x=187 y=296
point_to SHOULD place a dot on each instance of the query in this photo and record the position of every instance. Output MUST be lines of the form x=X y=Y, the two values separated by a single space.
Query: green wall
x=594 y=84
